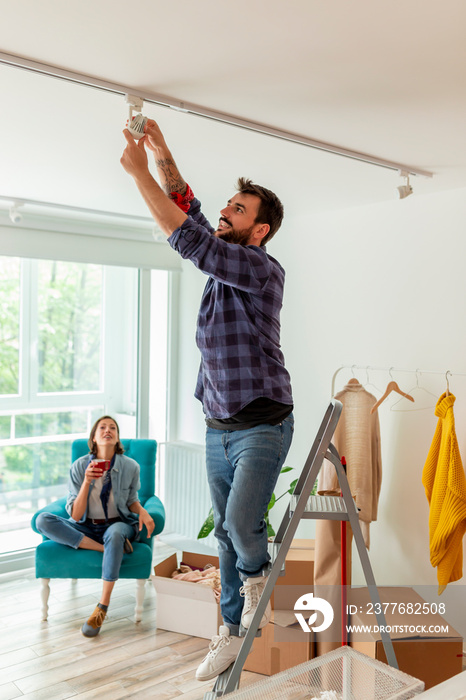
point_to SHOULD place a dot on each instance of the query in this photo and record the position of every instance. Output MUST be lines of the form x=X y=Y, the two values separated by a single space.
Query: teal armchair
x=55 y=560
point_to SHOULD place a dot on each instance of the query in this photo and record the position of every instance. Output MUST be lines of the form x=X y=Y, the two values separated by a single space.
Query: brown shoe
x=128 y=547
x=91 y=628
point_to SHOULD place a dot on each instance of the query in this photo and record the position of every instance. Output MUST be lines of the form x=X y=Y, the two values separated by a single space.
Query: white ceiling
x=384 y=77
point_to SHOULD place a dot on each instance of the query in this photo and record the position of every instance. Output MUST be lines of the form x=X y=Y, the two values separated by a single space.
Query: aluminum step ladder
x=304 y=506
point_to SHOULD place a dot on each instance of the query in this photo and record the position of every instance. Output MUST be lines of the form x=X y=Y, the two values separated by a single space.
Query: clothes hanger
x=447 y=393
x=391 y=386
x=418 y=388
x=353 y=379
x=369 y=383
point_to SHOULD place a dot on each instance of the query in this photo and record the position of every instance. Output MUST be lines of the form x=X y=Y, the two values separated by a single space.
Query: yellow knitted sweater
x=445 y=485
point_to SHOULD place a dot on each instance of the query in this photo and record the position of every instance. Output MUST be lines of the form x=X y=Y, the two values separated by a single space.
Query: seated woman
x=105 y=514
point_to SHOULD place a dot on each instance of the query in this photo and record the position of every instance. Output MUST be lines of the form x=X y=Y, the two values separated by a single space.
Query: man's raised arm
x=170 y=177
x=165 y=212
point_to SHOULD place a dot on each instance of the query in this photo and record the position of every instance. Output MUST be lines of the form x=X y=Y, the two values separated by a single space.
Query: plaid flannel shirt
x=238 y=327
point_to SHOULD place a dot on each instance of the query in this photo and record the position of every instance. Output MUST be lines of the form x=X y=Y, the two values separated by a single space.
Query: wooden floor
x=52 y=660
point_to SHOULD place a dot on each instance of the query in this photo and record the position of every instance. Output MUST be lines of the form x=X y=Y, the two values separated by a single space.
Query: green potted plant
x=208 y=524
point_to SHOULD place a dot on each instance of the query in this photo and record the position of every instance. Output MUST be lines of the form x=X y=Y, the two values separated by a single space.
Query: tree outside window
x=69 y=313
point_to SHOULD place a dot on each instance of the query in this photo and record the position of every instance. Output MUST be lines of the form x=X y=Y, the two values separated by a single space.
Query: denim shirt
x=125 y=485
x=238 y=326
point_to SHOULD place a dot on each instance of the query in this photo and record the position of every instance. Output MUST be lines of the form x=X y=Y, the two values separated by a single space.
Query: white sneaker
x=251 y=592
x=223 y=650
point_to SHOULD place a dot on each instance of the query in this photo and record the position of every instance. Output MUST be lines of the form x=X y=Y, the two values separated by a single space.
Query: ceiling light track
x=190 y=108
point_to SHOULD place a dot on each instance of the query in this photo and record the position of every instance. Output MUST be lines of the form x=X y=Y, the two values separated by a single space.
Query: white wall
x=380 y=286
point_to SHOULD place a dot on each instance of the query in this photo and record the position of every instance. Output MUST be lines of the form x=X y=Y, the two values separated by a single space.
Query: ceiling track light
x=405 y=190
x=136 y=123
x=200 y=111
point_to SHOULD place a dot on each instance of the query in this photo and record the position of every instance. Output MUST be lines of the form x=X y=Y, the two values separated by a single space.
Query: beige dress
x=357 y=438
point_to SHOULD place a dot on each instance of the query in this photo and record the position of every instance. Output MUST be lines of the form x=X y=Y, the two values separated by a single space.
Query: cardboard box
x=191 y=608
x=283 y=644
x=430 y=656
x=299 y=570
x=182 y=606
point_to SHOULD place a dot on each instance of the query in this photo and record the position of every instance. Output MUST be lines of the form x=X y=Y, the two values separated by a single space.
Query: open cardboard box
x=191 y=608
x=430 y=656
x=182 y=606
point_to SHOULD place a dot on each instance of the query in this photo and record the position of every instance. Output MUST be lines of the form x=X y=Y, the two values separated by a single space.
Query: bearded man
x=243 y=384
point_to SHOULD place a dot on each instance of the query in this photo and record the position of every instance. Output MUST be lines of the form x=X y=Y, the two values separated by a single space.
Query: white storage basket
x=343 y=674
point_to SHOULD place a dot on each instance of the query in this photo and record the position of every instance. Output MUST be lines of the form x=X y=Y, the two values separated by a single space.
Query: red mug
x=103 y=465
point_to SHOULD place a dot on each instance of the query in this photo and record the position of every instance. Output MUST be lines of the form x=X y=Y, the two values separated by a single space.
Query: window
x=9 y=327
x=68 y=354
x=70 y=305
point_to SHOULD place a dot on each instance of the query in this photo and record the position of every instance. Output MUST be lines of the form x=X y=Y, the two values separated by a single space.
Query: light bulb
x=136 y=126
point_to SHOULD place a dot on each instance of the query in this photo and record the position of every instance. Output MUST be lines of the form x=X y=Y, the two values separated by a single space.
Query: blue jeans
x=70 y=533
x=242 y=470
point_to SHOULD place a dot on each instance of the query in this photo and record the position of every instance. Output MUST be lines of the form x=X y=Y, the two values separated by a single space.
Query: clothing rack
x=368 y=368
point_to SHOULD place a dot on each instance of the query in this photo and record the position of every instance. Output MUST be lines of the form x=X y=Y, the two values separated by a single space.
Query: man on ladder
x=243 y=383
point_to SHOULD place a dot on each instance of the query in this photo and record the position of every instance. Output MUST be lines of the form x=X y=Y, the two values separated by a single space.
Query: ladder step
x=322 y=507
x=273 y=549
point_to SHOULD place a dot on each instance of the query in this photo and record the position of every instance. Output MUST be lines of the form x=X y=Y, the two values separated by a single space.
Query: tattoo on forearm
x=170 y=178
